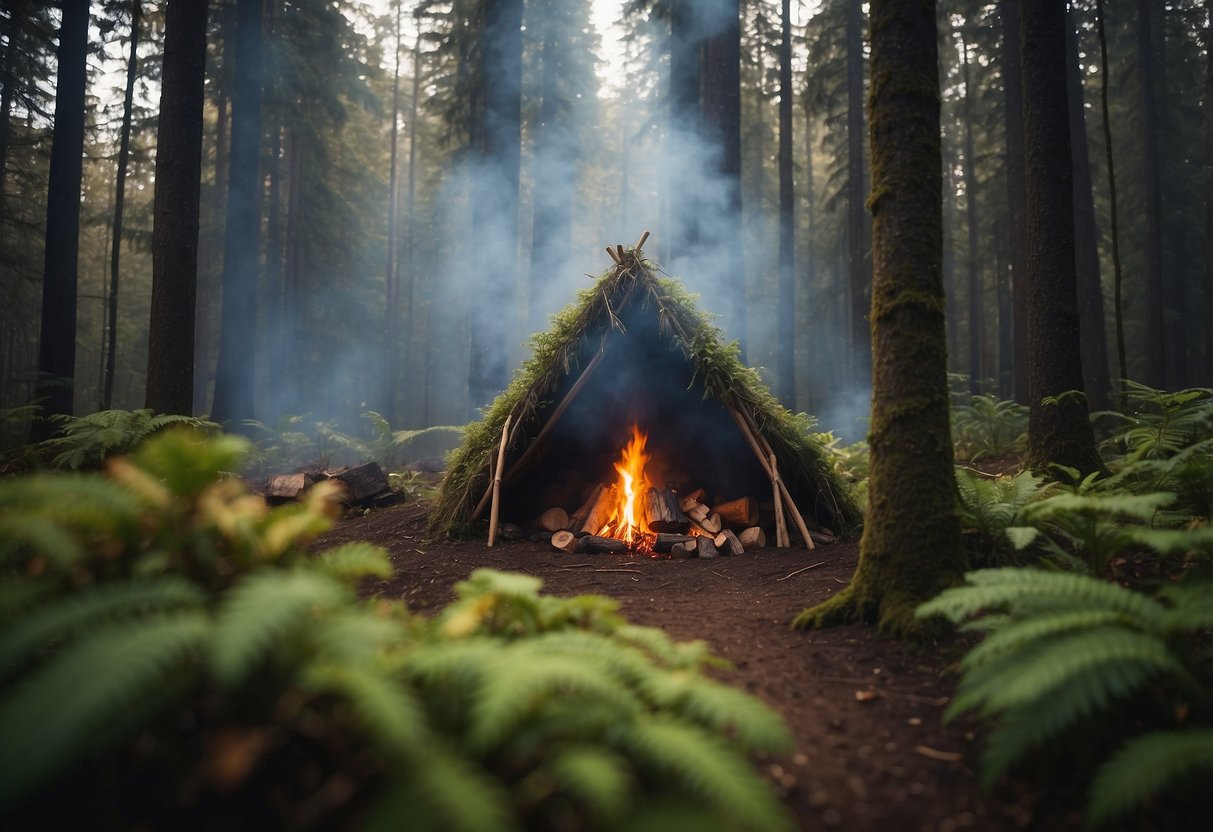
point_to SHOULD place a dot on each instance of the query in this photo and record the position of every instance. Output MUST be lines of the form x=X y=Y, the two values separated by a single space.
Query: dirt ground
x=872 y=752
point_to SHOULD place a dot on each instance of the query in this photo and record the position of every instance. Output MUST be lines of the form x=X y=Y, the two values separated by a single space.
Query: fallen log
x=666 y=542
x=287 y=486
x=739 y=513
x=362 y=482
x=661 y=511
x=593 y=544
x=728 y=543
x=552 y=520
x=753 y=538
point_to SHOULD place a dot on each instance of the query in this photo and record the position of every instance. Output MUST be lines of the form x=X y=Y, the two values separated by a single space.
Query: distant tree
x=124 y=153
x=911 y=539
x=496 y=141
x=1091 y=322
x=170 y=365
x=1155 y=298
x=234 y=377
x=976 y=315
x=785 y=372
x=391 y=310
x=57 y=337
x=859 y=266
x=1113 y=208
x=1017 y=219
x=1059 y=431
x=1208 y=362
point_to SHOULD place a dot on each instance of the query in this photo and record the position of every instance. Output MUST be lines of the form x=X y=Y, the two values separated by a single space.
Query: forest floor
x=871 y=749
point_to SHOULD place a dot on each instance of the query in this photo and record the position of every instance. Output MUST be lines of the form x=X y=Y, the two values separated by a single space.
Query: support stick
x=505 y=434
x=781 y=525
x=614 y=256
x=787 y=497
x=643 y=239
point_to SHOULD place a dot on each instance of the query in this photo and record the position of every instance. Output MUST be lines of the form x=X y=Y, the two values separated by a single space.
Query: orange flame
x=632 y=484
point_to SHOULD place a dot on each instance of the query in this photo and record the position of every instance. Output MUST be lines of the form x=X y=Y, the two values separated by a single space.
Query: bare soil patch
x=872 y=752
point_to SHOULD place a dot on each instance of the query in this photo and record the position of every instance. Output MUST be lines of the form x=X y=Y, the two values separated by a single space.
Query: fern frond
x=260 y=610
x=1038 y=590
x=704 y=766
x=354 y=560
x=750 y=723
x=599 y=778
x=507 y=698
x=56 y=715
x=458 y=792
x=389 y=714
x=1017 y=635
x=1018 y=679
x=1144 y=767
x=62 y=620
x=1046 y=719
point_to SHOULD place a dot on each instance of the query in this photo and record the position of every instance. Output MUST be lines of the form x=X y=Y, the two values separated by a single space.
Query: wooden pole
x=643 y=239
x=787 y=496
x=744 y=426
x=781 y=525
x=505 y=434
x=614 y=256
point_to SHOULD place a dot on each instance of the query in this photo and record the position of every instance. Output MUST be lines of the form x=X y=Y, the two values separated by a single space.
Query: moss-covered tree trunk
x=911 y=540
x=1059 y=430
x=1017 y=209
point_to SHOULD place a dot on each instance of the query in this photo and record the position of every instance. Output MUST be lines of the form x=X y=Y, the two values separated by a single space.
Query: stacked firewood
x=680 y=526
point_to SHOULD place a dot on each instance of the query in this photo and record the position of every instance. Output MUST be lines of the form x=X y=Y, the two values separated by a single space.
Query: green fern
x=1061 y=650
x=87 y=441
x=990 y=506
x=987 y=427
x=1146 y=767
x=1159 y=424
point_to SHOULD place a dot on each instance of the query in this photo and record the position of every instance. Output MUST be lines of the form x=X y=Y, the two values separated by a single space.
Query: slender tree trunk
x=1059 y=431
x=1208 y=363
x=1091 y=321
x=124 y=154
x=208 y=283
x=1006 y=343
x=495 y=204
x=911 y=539
x=391 y=333
x=292 y=311
x=859 y=266
x=804 y=335
x=170 y=355
x=683 y=118
x=1155 y=355
x=786 y=330
x=57 y=337
x=976 y=316
x=720 y=109
x=234 y=376
x=1113 y=213
x=1017 y=219
x=419 y=360
x=11 y=33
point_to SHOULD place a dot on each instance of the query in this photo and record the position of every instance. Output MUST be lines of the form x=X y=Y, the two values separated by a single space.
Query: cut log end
x=753 y=538
x=565 y=541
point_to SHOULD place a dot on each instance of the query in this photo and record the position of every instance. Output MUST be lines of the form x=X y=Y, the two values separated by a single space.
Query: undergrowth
x=166 y=636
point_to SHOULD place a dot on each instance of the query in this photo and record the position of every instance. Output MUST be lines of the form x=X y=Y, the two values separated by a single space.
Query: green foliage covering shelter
x=626 y=305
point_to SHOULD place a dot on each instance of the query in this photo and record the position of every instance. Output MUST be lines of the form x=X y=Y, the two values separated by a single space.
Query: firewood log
x=287 y=486
x=600 y=513
x=593 y=544
x=577 y=518
x=711 y=524
x=698 y=512
x=753 y=538
x=665 y=542
x=565 y=541
x=661 y=511
x=684 y=550
x=706 y=548
x=728 y=544
x=694 y=498
x=552 y=520
x=739 y=513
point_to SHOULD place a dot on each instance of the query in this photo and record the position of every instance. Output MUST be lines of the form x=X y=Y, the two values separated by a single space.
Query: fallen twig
x=912 y=697
x=714 y=572
x=637 y=571
x=576 y=565
x=802 y=569
x=936 y=754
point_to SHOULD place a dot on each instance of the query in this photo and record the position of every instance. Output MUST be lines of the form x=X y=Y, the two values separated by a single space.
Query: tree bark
x=234 y=376
x=1017 y=220
x=124 y=155
x=10 y=32
x=1208 y=363
x=1155 y=348
x=391 y=331
x=910 y=548
x=1059 y=430
x=858 y=264
x=785 y=371
x=1113 y=211
x=1091 y=322
x=976 y=320
x=170 y=364
x=57 y=336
